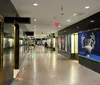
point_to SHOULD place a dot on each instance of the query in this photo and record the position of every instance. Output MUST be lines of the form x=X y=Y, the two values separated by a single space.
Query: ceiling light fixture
x=35 y=20
x=87 y=7
x=68 y=20
x=92 y=21
x=74 y=14
x=59 y=26
x=35 y=26
x=35 y=4
x=77 y=27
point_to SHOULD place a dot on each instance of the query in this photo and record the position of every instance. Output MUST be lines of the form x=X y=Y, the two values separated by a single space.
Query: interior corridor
x=43 y=67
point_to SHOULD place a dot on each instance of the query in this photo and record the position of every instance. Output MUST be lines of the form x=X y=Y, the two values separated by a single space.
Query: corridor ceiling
x=62 y=10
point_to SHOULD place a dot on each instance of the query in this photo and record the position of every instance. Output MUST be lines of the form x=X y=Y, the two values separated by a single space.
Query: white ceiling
x=48 y=9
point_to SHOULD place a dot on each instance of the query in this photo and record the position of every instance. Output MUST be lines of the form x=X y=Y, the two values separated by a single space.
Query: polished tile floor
x=43 y=67
x=8 y=60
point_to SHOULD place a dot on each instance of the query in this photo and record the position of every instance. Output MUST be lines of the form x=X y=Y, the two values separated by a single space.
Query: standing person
x=46 y=44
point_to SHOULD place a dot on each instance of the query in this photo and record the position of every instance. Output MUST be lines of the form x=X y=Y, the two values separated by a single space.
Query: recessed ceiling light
x=35 y=20
x=35 y=26
x=13 y=25
x=92 y=21
x=35 y=4
x=68 y=20
x=59 y=26
x=77 y=27
x=74 y=14
x=87 y=7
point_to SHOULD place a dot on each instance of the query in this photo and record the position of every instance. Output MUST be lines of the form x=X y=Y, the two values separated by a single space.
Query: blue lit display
x=89 y=44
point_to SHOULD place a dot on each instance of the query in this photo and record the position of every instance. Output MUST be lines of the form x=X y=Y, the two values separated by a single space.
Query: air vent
x=80 y=14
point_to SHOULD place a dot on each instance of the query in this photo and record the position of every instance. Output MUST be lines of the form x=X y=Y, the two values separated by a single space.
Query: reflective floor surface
x=8 y=64
x=43 y=67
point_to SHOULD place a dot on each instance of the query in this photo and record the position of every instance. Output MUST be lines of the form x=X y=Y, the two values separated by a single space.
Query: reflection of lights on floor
x=54 y=61
x=21 y=49
x=35 y=72
x=34 y=66
x=49 y=55
x=73 y=75
x=10 y=56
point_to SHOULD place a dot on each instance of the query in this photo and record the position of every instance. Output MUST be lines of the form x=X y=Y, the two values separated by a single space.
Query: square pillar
x=16 y=46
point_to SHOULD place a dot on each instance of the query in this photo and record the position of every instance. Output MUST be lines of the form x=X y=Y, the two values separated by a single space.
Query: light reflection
x=21 y=49
x=43 y=49
x=49 y=55
x=10 y=42
x=33 y=56
x=54 y=61
x=21 y=42
x=10 y=56
x=35 y=67
x=73 y=75
x=35 y=73
x=4 y=40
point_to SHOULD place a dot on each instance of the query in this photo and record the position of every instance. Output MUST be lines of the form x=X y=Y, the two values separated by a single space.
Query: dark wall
x=89 y=23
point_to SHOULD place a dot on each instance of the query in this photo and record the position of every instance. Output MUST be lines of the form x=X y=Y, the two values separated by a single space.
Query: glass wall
x=63 y=42
x=66 y=42
x=59 y=43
